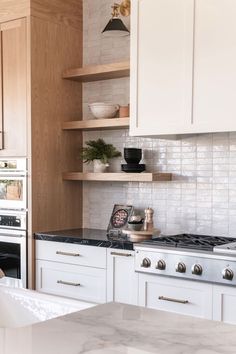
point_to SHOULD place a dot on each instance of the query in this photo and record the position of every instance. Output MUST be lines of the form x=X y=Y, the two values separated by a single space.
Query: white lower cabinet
x=78 y=282
x=122 y=281
x=175 y=295
x=71 y=270
x=224 y=304
x=96 y=274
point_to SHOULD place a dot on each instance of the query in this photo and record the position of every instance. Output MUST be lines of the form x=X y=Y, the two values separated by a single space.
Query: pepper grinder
x=148 y=221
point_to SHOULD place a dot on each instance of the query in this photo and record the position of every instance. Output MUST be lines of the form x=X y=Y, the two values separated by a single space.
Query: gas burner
x=190 y=241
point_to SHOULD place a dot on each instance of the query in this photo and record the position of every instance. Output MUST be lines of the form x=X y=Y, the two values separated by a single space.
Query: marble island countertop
x=121 y=329
x=90 y=237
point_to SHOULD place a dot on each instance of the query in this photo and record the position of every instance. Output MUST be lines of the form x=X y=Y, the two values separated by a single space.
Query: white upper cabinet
x=161 y=66
x=183 y=73
x=214 y=101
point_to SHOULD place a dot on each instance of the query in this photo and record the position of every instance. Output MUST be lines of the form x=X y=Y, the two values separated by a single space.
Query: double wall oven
x=13 y=220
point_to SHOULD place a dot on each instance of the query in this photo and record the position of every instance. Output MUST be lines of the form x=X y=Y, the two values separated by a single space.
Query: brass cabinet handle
x=67 y=254
x=121 y=254
x=173 y=300
x=67 y=283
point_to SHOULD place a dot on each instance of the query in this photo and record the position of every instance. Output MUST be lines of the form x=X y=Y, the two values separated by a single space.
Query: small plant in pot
x=98 y=152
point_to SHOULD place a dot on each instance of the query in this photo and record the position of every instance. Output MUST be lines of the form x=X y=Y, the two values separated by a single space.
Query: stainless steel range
x=195 y=257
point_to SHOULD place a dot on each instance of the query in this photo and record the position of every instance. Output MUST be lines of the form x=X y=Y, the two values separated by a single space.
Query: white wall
x=202 y=197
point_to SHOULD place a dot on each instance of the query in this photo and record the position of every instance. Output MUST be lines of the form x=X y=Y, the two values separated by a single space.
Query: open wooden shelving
x=98 y=72
x=117 y=177
x=97 y=124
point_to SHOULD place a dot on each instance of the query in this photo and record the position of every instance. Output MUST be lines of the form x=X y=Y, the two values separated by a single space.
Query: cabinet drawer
x=83 y=283
x=71 y=253
x=180 y=296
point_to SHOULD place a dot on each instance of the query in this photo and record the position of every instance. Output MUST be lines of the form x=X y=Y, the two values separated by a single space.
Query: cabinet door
x=224 y=304
x=122 y=281
x=175 y=295
x=83 y=283
x=13 y=110
x=214 y=104
x=161 y=66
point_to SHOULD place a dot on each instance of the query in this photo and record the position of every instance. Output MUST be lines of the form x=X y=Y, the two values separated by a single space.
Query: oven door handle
x=12 y=235
x=11 y=175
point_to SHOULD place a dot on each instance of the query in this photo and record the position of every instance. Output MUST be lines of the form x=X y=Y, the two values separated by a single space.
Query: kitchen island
x=116 y=328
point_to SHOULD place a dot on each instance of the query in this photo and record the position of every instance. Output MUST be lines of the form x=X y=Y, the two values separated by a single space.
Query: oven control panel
x=6 y=220
x=13 y=221
x=211 y=269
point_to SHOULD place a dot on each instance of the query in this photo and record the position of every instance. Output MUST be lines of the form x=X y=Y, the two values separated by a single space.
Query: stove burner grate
x=198 y=242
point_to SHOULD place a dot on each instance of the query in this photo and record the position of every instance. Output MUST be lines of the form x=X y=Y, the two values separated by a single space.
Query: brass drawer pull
x=121 y=254
x=67 y=283
x=173 y=300
x=67 y=254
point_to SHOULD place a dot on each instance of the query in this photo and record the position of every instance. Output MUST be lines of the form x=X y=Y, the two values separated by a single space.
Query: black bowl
x=132 y=155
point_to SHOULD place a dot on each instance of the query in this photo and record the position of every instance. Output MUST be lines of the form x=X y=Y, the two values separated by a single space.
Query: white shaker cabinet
x=122 y=281
x=71 y=270
x=183 y=75
x=214 y=100
x=224 y=304
x=161 y=66
x=175 y=295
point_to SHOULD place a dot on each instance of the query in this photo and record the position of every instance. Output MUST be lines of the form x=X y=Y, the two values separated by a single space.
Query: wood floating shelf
x=98 y=72
x=117 y=177
x=96 y=124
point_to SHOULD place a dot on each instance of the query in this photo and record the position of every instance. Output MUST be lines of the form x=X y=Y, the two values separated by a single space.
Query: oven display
x=8 y=220
x=10 y=259
x=11 y=190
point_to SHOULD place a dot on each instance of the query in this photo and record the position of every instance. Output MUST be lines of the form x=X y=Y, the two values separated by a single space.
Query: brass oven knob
x=180 y=267
x=197 y=269
x=228 y=274
x=161 y=265
x=146 y=263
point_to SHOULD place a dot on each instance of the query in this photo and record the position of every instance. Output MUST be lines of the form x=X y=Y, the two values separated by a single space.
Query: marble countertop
x=121 y=329
x=90 y=237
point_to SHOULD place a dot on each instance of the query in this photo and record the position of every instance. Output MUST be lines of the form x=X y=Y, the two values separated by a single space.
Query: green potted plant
x=98 y=152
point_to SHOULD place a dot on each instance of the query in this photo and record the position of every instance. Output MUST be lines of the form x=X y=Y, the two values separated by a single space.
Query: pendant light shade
x=116 y=27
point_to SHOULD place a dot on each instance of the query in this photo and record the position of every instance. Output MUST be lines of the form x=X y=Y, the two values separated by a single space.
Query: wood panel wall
x=13 y=9
x=55 y=46
x=59 y=11
x=56 y=204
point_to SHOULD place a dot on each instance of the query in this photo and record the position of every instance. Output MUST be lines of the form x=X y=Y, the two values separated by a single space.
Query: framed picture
x=119 y=219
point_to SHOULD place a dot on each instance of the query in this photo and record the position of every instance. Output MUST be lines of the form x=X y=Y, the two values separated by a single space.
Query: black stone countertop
x=89 y=237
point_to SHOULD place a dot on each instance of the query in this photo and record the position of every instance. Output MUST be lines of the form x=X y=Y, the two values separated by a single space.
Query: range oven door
x=13 y=255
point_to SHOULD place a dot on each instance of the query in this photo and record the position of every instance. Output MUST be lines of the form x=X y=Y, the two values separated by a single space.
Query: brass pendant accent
x=125 y=8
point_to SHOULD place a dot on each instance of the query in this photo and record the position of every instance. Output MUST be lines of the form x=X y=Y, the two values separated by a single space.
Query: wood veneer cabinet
x=13 y=48
x=40 y=39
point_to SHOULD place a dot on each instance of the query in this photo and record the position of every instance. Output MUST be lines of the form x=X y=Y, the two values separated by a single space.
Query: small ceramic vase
x=99 y=166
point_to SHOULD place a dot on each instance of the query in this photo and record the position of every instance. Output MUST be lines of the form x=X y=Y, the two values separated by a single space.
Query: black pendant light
x=115 y=26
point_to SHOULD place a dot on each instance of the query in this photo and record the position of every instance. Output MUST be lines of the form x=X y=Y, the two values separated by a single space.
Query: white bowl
x=103 y=110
